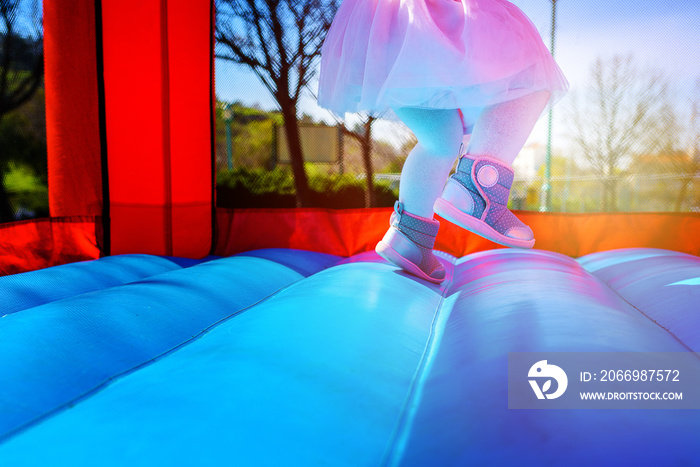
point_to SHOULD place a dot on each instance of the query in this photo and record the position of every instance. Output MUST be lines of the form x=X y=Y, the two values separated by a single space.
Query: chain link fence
x=626 y=137
x=654 y=176
x=671 y=192
x=254 y=170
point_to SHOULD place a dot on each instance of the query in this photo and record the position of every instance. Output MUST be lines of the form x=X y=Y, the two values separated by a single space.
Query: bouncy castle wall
x=129 y=117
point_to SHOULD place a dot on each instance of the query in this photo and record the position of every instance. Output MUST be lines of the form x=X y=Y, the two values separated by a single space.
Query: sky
x=661 y=35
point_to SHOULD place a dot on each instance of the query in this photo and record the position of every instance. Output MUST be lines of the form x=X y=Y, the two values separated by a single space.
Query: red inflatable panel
x=581 y=234
x=36 y=244
x=351 y=231
x=157 y=71
x=338 y=232
x=72 y=115
x=191 y=70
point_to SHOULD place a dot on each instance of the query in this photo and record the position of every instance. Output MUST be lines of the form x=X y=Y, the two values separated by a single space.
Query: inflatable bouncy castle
x=142 y=325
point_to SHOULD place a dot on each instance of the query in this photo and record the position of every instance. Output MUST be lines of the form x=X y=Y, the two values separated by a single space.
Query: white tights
x=500 y=131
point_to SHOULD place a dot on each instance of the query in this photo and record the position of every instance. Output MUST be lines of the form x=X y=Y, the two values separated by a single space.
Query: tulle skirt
x=440 y=54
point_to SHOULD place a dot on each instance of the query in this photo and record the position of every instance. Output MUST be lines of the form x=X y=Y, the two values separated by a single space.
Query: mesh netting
x=23 y=171
x=626 y=137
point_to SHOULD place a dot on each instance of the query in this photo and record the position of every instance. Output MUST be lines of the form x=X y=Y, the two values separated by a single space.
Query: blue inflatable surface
x=30 y=289
x=281 y=357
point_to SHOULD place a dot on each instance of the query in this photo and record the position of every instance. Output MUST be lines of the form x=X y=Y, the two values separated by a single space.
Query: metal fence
x=653 y=175
x=251 y=157
x=626 y=137
x=655 y=184
x=670 y=192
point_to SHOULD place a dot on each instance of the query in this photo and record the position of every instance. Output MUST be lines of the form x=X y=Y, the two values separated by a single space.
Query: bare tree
x=617 y=118
x=21 y=68
x=364 y=138
x=280 y=41
x=692 y=168
x=669 y=160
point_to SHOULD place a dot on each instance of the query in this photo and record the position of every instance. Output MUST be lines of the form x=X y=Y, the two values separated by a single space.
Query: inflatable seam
x=399 y=438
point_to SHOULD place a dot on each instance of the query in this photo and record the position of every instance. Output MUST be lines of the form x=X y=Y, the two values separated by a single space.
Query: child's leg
x=469 y=117
x=501 y=130
x=439 y=134
x=476 y=196
x=411 y=236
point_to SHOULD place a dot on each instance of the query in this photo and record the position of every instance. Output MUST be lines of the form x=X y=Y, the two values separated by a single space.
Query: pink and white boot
x=476 y=198
x=409 y=244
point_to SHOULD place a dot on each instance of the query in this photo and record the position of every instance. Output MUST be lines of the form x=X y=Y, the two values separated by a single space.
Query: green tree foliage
x=21 y=76
x=23 y=163
x=245 y=135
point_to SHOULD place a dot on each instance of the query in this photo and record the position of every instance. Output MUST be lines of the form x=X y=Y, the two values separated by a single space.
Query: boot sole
x=393 y=256
x=450 y=213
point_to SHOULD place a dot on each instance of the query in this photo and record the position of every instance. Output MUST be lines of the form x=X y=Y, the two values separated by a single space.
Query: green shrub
x=257 y=180
x=253 y=187
x=27 y=191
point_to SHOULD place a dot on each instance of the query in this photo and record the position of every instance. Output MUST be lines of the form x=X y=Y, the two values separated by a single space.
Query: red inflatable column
x=72 y=111
x=158 y=117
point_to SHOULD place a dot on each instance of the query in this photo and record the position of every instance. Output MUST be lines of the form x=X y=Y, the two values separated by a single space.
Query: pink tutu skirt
x=438 y=54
